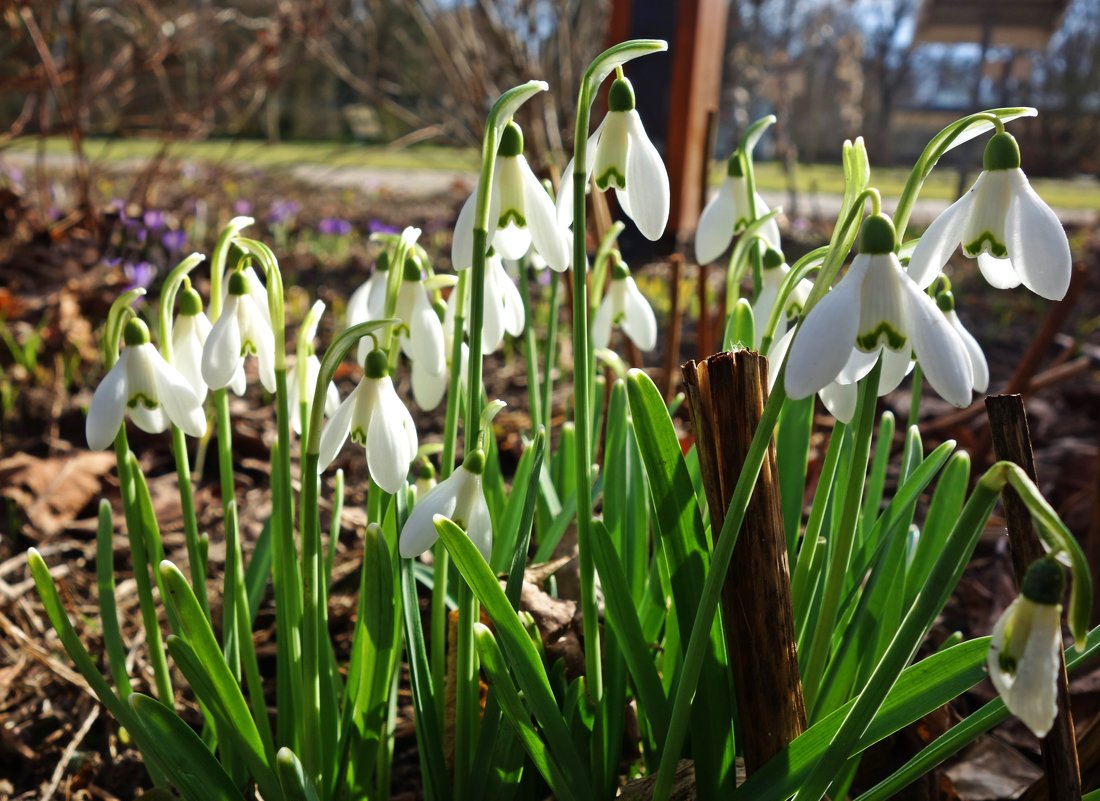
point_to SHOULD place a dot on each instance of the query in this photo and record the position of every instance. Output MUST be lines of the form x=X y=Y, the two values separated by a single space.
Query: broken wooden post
x=727 y=393
x=1012 y=442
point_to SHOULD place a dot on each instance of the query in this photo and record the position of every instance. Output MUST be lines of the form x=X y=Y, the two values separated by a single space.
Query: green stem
x=547 y=407
x=108 y=611
x=190 y=519
x=840 y=550
x=530 y=349
x=914 y=397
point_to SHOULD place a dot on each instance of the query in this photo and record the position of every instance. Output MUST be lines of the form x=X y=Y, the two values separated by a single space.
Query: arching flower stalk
x=153 y=391
x=1005 y=225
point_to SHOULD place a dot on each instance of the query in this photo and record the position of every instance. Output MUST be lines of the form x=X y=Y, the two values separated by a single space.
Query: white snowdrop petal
x=238 y=383
x=939 y=241
x=188 y=337
x=938 y=349
x=151 y=421
x=822 y=344
x=512 y=242
x=335 y=432
x=1000 y=273
x=108 y=406
x=895 y=366
x=858 y=365
x=777 y=352
x=388 y=453
x=511 y=301
x=359 y=302
x=419 y=534
x=715 y=230
x=840 y=400
x=221 y=356
x=564 y=203
x=425 y=340
x=770 y=231
x=332 y=399
x=978 y=365
x=984 y=229
x=265 y=356
x=548 y=237
x=601 y=323
x=1037 y=242
x=428 y=389
x=612 y=148
x=1035 y=690
x=479 y=526
x=178 y=399
x=639 y=321
x=647 y=182
x=462 y=244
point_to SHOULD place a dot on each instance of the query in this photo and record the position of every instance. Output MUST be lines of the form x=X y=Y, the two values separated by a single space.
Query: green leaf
x=189 y=765
x=108 y=612
x=792 y=450
x=921 y=688
x=947 y=503
x=522 y=656
x=296 y=785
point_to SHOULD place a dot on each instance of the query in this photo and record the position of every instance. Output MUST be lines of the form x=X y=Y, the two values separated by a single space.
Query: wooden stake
x=727 y=394
x=1012 y=442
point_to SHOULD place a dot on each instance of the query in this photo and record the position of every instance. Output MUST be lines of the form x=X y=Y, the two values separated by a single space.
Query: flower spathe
x=242 y=330
x=459 y=497
x=521 y=213
x=877 y=307
x=728 y=213
x=143 y=382
x=620 y=155
x=624 y=305
x=376 y=419
x=1024 y=653
x=1005 y=225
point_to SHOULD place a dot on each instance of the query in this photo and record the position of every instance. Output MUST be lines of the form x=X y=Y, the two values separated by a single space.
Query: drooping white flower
x=877 y=306
x=979 y=367
x=241 y=330
x=1023 y=657
x=422 y=340
x=624 y=305
x=459 y=497
x=376 y=419
x=189 y=336
x=620 y=155
x=1002 y=222
x=503 y=313
x=143 y=382
x=728 y=212
x=312 y=364
x=775 y=269
x=368 y=302
x=521 y=213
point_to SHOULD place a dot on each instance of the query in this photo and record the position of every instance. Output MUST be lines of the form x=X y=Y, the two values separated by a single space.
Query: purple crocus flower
x=379 y=227
x=282 y=211
x=334 y=226
x=153 y=219
x=242 y=207
x=139 y=275
x=173 y=241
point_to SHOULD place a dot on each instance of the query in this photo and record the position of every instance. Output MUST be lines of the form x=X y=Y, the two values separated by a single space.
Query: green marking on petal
x=611 y=177
x=986 y=242
x=248 y=348
x=1007 y=663
x=359 y=436
x=143 y=399
x=883 y=333
x=512 y=216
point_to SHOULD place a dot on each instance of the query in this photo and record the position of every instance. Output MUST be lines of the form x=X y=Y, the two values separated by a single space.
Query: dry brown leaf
x=52 y=492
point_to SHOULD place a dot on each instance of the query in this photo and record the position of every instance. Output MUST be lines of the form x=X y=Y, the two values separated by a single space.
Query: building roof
x=1021 y=24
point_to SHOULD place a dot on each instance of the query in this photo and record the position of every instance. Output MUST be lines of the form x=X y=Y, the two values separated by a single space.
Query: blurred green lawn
x=1079 y=193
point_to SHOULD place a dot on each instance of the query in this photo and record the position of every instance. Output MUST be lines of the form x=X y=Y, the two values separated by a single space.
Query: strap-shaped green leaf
x=522 y=656
x=296 y=785
x=189 y=765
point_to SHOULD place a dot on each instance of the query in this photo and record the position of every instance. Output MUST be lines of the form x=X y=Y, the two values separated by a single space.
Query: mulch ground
x=55 y=740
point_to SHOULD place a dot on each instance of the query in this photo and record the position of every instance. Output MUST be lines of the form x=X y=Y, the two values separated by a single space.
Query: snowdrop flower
x=459 y=497
x=368 y=302
x=422 y=340
x=877 y=308
x=294 y=380
x=771 y=279
x=1024 y=653
x=188 y=336
x=376 y=419
x=521 y=213
x=143 y=382
x=620 y=155
x=503 y=307
x=425 y=478
x=624 y=305
x=1014 y=235
x=728 y=212
x=242 y=330
x=979 y=368
x=428 y=389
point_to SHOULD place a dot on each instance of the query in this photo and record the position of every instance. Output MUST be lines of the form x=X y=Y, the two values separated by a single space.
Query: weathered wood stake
x=1012 y=442
x=727 y=394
